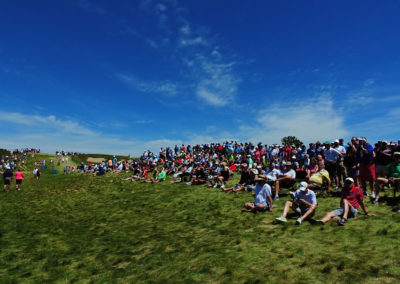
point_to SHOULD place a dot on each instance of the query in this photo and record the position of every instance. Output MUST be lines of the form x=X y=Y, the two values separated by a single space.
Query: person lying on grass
x=351 y=198
x=262 y=198
x=304 y=204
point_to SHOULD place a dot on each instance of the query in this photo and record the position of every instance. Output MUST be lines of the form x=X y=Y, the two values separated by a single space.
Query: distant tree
x=291 y=140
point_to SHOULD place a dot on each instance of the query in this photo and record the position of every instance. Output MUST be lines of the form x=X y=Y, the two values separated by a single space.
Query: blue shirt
x=310 y=196
x=262 y=193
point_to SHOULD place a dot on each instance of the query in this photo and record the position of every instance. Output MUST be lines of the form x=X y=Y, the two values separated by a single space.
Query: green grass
x=101 y=229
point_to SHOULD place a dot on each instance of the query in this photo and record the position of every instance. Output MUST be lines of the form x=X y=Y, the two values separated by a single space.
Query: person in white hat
x=7 y=176
x=352 y=198
x=262 y=197
x=304 y=204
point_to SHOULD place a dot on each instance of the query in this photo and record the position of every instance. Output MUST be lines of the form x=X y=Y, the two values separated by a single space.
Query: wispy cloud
x=315 y=118
x=50 y=133
x=210 y=73
x=143 y=121
x=92 y=7
x=46 y=122
x=163 y=87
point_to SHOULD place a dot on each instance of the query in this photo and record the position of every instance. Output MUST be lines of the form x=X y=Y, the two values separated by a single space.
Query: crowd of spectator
x=328 y=167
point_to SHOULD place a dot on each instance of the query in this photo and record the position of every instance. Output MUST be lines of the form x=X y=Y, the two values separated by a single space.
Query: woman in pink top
x=312 y=168
x=19 y=176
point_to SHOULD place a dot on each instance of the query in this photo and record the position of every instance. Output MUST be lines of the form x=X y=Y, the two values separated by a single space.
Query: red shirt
x=354 y=196
x=19 y=175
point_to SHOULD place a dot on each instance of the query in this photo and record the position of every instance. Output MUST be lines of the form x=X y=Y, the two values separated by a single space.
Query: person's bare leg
x=248 y=207
x=277 y=188
x=380 y=181
x=259 y=207
x=240 y=188
x=328 y=217
x=346 y=205
x=288 y=205
x=308 y=213
x=371 y=185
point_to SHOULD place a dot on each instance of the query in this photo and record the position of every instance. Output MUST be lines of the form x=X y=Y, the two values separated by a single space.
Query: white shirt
x=290 y=173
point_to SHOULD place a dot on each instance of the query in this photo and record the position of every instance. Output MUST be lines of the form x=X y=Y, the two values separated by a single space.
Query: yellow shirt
x=319 y=177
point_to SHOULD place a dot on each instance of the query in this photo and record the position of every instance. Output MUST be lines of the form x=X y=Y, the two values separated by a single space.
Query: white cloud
x=217 y=84
x=211 y=73
x=49 y=122
x=92 y=7
x=369 y=82
x=308 y=120
x=161 y=7
x=185 y=30
x=193 y=41
x=143 y=121
x=379 y=126
x=163 y=87
x=50 y=133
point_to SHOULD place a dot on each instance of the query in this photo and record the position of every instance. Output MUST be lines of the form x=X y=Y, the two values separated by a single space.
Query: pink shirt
x=19 y=175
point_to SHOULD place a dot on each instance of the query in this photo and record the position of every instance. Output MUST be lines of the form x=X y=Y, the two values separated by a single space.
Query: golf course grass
x=80 y=228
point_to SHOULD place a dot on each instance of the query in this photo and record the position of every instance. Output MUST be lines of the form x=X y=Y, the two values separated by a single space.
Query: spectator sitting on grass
x=161 y=176
x=318 y=179
x=352 y=197
x=304 y=204
x=199 y=177
x=100 y=171
x=223 y=178
x=393 y=170
x=243 y=182
x=273 y=173
x=286 y=179
x=262 y=199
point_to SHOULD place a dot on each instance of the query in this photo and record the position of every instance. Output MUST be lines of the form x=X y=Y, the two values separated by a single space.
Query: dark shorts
x=303 y=210
x=18 y=181
x=332 y=169
x=7 y=181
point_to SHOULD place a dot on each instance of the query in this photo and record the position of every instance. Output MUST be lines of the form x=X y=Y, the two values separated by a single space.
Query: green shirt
x=394 y=170
x=162 y=175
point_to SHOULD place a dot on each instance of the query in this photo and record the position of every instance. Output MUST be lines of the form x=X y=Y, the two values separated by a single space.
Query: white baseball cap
x=303 y=186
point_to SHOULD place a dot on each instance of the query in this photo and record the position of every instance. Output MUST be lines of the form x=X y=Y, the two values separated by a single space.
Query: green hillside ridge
x=68 y=228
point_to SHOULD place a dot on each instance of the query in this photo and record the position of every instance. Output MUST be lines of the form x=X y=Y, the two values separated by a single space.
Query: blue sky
x=125 y=76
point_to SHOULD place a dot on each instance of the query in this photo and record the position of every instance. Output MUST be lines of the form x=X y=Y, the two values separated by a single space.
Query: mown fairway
x=101 y=229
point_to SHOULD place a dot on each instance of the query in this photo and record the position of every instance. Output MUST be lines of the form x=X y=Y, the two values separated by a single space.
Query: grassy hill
x=68 y=228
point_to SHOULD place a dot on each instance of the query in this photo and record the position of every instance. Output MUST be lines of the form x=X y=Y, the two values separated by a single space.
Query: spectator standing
x=19 y=176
